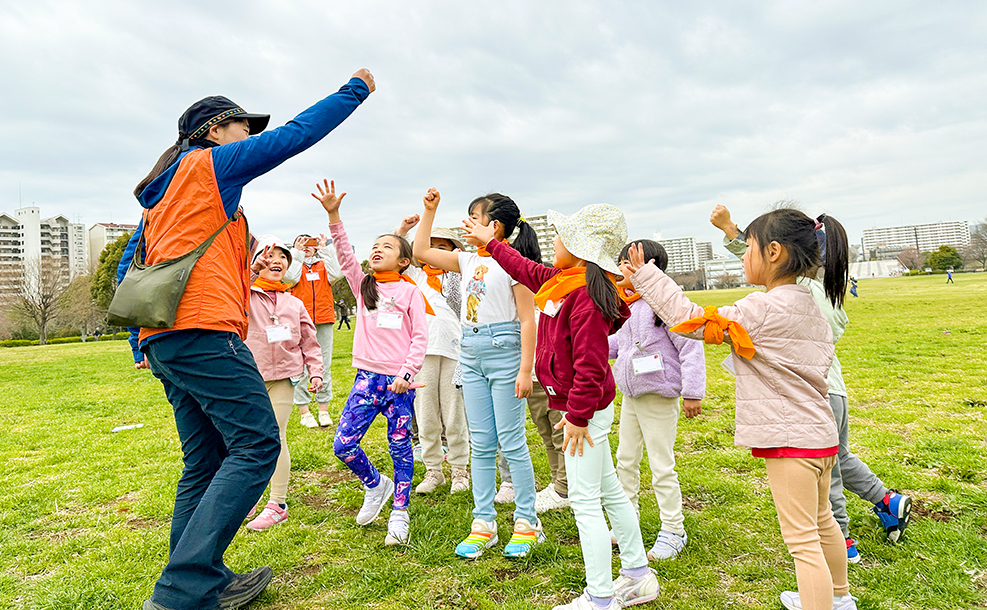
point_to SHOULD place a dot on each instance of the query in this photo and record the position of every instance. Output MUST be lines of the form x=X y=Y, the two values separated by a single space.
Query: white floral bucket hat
x=264 y=241
x=596 y=233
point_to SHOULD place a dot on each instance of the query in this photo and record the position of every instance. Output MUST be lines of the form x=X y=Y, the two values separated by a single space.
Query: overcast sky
x=873 y=112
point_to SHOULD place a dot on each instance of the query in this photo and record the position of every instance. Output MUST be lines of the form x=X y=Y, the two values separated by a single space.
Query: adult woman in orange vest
x=314 y=268
x=222 y=411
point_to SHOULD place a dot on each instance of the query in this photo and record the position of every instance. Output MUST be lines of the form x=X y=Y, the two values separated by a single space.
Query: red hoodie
x=571 y=356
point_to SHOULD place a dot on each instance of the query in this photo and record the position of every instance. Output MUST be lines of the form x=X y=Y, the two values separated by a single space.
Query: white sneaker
x=397 y=528
x=460 y=480
x=505 y=494
x=792 y=601
x=583 y=602
x=549 y=499
x=374 y=499
x=308 y=420
x=667 y=546
x=433 y=478
x=325 y=420
x=633 y=591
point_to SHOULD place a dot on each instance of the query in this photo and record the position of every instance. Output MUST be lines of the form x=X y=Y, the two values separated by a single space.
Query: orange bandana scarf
x=713 y=333
x=559 y=286
x=482 y=250
x=433 y=277
x=393 y=276
x=627 y=298
x=269 y=286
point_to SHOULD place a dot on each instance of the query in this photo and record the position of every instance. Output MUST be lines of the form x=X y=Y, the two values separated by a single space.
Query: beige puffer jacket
x=782 y=392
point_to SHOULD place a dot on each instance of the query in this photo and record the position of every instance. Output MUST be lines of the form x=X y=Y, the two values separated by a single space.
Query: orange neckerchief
x=482 y=250
x=269 y=286
x=559 y=286
x=713 y=333
x=433 y=277
x=627 y=298
x=393 y=276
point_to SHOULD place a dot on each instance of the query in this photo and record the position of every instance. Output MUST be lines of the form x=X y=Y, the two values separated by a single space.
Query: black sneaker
x=245 y=588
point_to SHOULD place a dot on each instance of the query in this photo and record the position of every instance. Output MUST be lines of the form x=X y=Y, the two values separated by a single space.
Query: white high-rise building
x=546 y=236
x=103 y=233
x=25 y=236
x=683 y=254
x=888 y=242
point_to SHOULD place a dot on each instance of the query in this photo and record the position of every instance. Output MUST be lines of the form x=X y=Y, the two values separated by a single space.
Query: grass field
x=84 y=519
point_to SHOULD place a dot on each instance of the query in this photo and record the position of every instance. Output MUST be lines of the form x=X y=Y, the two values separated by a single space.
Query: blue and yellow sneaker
x=483 y=535
x=524 y=537
x=894 y=511
x=852 y=554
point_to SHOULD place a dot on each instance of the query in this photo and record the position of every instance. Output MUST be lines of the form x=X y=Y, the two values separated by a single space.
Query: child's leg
x=658 y=424
x=398 y=415
x=630 y=450
x=483 y=436
x=453 y=416
x=856 y=475
x=302 y=395
x=509 y=415
x=833 y=541
x=281 y=392
x=323 y=334
x=836 y=498
x=545 y=420
x=360 y=410
x=799 y=486
x=428 y=413
x=587 y=474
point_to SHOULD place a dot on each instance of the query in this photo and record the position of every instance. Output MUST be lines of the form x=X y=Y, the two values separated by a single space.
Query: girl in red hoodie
x=578 y=298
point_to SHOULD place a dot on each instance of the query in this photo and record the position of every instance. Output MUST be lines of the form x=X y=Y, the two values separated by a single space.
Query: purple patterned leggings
x=368 y=398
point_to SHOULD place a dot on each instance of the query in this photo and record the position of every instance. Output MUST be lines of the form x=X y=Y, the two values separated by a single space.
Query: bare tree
x=728 y=280
x=37 y=291
x=78 y=309
x=911 y=258
x=976 y=252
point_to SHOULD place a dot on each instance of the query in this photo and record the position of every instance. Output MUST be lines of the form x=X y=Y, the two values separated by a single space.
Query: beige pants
x=281 y=392
x=650 y=421
x=800 y=489
x=439 y=407
x=545 y=420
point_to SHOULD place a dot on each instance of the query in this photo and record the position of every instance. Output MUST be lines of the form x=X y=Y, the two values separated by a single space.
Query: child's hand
x=322 y=238
x=431 y=199
x=483 y=233
x=365 y=75
x=523 y=386
x=143 y=364
x=300 y=243
x=574 y=435
x=327 y=197
x=400 y=386
x=720 y=218
x=263 y=261
x=408 y=223
x=315 y=384
x=691 y=407
x=635 y=259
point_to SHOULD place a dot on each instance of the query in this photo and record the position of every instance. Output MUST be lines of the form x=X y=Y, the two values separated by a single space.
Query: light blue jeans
x=491 y=359
x=593 y=481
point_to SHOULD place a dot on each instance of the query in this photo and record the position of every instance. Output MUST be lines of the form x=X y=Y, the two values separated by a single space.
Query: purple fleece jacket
x=684 y=359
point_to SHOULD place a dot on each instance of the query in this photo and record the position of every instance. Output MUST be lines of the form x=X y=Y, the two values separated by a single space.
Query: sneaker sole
x=390 y=492
x=391 y=541
x=853 y=559
x=242 y=599
x=493 y=540
x=261 y=529
x=640 y=600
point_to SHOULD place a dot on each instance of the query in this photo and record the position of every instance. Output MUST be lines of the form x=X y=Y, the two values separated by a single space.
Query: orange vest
x=218 y=292
x=316 y=294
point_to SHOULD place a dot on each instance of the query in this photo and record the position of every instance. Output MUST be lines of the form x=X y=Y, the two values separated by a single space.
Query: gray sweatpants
x=323 y=333
x=849 y=472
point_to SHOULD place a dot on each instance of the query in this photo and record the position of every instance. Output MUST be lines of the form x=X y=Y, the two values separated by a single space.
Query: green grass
x=84 y=520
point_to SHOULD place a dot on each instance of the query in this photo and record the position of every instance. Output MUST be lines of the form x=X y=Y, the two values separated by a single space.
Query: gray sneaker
x=433 y=478
x=633 y=591
x=397 y=528
x=374 y=499
x=245 y=588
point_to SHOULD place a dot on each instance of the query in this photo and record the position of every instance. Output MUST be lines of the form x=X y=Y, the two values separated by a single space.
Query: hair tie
x=818 y=226
x=183 y=145
x=521 y=220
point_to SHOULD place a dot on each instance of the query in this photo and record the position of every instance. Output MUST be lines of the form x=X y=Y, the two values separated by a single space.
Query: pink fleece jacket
x=282 y=359
x=388 y=351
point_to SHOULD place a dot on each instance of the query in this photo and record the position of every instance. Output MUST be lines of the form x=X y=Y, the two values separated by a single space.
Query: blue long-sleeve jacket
x=238 y=163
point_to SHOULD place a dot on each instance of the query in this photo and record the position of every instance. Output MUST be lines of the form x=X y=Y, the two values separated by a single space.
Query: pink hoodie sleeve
x=347 y=260
x=311 y=352
x=419 y=335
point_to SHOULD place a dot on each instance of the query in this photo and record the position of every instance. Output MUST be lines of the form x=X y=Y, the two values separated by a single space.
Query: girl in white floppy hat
x=578 y=298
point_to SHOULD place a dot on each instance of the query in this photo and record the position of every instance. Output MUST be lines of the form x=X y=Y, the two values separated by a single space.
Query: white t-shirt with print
x=444 y=331
x=488 y=295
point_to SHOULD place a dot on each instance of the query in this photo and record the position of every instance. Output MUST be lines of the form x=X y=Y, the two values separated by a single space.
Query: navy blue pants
x=230 y=446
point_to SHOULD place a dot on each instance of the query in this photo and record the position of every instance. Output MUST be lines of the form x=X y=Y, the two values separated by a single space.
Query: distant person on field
x=344 y=315
x=949 y=276
x=853 y=286
x=314 y=269
x=283 y=341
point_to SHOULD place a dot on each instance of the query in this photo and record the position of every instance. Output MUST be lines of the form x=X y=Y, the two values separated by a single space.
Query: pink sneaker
x=271 y=515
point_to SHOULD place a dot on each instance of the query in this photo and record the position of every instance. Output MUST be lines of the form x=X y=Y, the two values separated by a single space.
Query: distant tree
x=78 y=308
x=944 y=258
x=728 y=280
x=341 y=288
x=911 y=258
x=104 y=279
x=688 y=281
x=976 y=252
x=38 y=288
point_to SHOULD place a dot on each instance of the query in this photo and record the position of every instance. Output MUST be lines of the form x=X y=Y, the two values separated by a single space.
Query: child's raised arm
x=344 y=251
x=422 y=248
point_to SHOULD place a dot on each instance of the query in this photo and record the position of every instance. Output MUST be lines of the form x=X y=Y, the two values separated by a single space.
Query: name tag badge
x=312 y=277
x=278 y=333
x=648 y=364
x=389 y=319
x=728 y=365
x=550 y=390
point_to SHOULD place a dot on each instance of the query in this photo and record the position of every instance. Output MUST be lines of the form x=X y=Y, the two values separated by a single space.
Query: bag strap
x=201 y=247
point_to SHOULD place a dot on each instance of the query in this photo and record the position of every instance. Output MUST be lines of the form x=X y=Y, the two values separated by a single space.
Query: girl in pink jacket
x=782 y=349
x=281 y=337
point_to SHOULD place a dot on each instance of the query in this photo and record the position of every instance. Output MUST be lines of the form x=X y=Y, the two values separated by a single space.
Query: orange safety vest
x=217 y=296
x=316 y=294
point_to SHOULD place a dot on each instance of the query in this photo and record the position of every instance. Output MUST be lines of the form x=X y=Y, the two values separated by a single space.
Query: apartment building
x=24 y=236
x=103 y=233
x=888 y=242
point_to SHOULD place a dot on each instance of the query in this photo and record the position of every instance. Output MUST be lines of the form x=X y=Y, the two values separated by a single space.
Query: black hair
x=368 y=287
x=796 y=232
x=602 y=291
x=653 y=251
x=169 y=156
x=503 y=209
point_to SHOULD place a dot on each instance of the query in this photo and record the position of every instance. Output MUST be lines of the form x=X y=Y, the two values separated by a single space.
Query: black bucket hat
x=213 y=110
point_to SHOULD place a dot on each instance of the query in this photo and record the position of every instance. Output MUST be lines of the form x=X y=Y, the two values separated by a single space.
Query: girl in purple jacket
x=654 y=368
